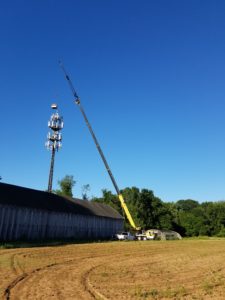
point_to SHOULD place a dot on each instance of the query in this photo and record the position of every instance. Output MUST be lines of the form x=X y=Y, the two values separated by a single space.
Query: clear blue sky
x=151 y=77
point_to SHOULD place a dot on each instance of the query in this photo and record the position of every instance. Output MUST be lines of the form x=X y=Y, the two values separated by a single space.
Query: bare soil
x=186 y=269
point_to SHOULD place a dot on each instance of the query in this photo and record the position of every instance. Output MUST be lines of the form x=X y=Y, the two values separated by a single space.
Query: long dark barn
x=27 y=214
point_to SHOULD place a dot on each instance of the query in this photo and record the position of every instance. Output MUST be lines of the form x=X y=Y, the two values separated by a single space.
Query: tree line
x=188 y=217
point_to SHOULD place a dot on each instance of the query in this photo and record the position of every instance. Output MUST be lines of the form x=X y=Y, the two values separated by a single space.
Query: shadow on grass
x=47 y=243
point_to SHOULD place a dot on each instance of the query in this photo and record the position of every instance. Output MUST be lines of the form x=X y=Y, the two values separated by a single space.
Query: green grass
x=47 y=243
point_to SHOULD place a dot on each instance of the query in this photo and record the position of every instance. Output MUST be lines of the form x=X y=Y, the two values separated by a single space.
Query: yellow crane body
x=127 y=212
x=122 y=201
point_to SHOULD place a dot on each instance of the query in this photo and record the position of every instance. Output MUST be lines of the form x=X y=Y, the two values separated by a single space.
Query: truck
x=145 y=235
x=124 y=236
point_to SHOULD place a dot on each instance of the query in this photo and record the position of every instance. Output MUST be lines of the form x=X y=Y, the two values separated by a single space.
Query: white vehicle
x=157 y=234
x=146 y=235
x=122 y=236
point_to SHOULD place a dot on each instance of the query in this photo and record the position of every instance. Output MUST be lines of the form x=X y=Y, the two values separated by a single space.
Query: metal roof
x=26 y=197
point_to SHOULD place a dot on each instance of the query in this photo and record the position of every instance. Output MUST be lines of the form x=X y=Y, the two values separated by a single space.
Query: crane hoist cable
x=120 y=196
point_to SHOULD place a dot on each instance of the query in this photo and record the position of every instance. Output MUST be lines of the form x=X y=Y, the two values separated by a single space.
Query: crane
x=120 y=196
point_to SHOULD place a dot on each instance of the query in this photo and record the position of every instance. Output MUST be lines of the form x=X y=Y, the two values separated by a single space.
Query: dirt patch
x=184 y=269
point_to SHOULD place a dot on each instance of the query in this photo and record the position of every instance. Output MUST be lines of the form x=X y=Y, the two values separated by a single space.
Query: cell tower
x=54 y=139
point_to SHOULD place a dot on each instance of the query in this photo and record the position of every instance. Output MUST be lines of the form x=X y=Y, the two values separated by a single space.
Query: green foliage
x=221 y=233
x=85 y=189
x=188 y=217
x=66 y=186
x=147 y=210
x=109 y=199
x=186 y=205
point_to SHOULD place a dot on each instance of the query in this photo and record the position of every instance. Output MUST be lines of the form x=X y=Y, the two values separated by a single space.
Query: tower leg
x=51 y=170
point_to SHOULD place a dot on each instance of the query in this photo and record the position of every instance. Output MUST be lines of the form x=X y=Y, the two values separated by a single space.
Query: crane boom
x=120 y=196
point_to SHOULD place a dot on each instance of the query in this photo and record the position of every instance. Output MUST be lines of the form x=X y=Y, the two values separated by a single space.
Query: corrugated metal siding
x=21 y=223
x=34 y=199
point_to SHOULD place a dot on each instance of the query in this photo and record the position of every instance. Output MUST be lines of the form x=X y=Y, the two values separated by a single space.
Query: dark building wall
x=18 y=223
x=82 y=220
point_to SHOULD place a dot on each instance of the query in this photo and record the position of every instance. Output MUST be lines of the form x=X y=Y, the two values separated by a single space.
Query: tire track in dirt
x=20 y=281
x=23 y=277
x=15 y=265
x=12 y=284
x=17 y=270
x=90 y=287
x=96 y=294
x=187 y=269
x=85 y=278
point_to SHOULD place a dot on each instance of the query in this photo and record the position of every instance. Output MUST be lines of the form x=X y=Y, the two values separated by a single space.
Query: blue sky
x=151 y=78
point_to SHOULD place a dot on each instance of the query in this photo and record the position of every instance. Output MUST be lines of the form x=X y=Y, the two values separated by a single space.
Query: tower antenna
x=54 y=140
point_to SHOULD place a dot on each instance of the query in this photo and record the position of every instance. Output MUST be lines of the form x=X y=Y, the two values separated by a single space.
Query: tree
x=85 y=189
x=109 y=199
x=187 y=205
x=146 y=210
x=66 y=186
x=215 y=215
x=187 y=217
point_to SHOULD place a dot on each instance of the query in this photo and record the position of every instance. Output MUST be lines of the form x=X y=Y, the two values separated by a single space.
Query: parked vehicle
x=123 y=236
x=146 y=235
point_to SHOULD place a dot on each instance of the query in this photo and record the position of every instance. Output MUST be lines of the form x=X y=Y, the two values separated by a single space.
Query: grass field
x=186 y=269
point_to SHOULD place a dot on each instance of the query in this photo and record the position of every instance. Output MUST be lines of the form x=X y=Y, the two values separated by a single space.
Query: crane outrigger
x=120 y=196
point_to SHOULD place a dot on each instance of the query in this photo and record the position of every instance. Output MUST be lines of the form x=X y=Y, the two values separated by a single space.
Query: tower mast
x=54 y=139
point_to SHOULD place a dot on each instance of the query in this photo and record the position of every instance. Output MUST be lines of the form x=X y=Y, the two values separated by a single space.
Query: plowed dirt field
x=186 y=269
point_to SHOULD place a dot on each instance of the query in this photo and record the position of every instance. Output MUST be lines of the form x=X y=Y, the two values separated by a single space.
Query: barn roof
x=25 y=197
